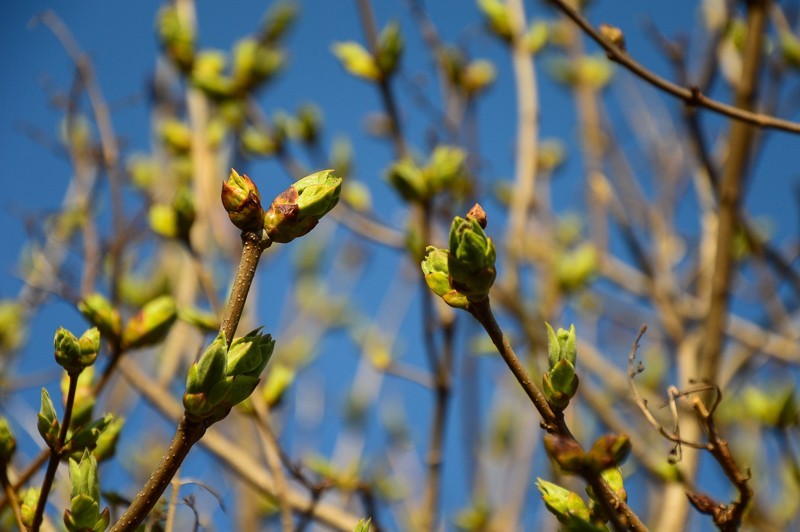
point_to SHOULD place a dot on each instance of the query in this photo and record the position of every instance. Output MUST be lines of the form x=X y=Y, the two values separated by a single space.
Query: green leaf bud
x=298 y=209
x=258 y=142
x=106 y=443
x=98 y=310
x=241 y=199
x=75 y=354
x=242 y=387
x=498 y=18
x=437 y=276
x=568 y=507
x=560 y=384
x=390 y=48
x=471 y=261
x=208 y=75
x=408 y=179
x=254 y=62
x=477 y=76
x=249 y=355
x=85 y=438
x=790 y=49
x=12 y=325
x=8 y=444
x=28 y=503
x=177 y=135
x=83 y=513
x=613 y=477
x=536 y=37
x=357 y=60
x=279 y=378
x=608 y=451
x=83 y=405
x=210 y=369
x=48 y=420
x=308 y=124
x=151 y=325
x=566 y=452
x=576 y=267
x=205 y=321
x=445 y=166
x=176 y=37
x=363 y=525
x=278 y=21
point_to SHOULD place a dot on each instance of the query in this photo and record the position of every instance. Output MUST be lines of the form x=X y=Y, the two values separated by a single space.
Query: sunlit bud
x=565 y=451
x=536 y=36
x=84 y=511
x=444 y=168
x=241 y=199
x=477 y=76
x=497 y=17
x=176 y=135
x=298 y=209
x=48 y=420
x=176 y=36
x=208 y=75
x=83 y=404
x=279 y=379
x=98 y=310
x=151 y=324
x=471 y=259
x=249 y=354
x=254 y=62
x=12 y=325
x=568 y=507
x=278 y=21
x=106 y=443
x=207 y=371
x=28 y=502
x=357 y=60
x=85 y=438
x=308 y=124
x=613 y=477
x=390 y=48
x=608 y=451
x=437 y=277
x=613 y=34
x=407 y=178
x=478 y=214
x=8 y=444
x=75 y=354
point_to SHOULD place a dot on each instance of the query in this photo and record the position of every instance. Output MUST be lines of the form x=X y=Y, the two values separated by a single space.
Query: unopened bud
x=241 y=199
x=298 y=209
x=471 y=261
x=8 y=444
x=98 y=310
x=151 y=324
x=608 y=451
x=566 y=452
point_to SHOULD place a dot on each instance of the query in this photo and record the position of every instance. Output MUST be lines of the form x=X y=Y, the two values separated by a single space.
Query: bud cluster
x=560 y=381
x=75 y=354
x=292 y=214
x=376 y=66
x=84 y=504
x=443 y=171
x=466 y=271
x=224 y=377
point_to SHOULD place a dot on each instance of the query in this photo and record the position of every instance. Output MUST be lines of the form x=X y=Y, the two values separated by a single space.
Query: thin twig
x=690 y=95
x=55 y=454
